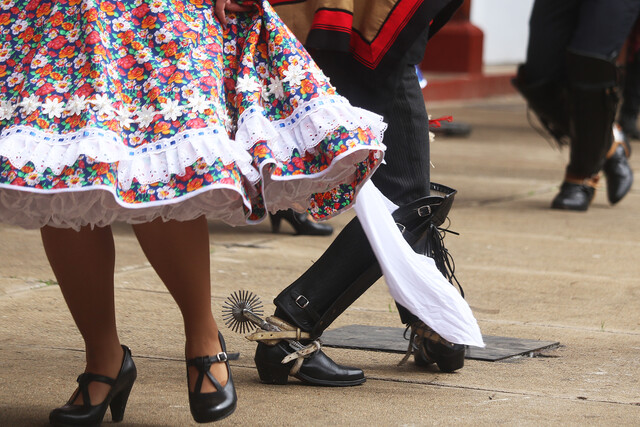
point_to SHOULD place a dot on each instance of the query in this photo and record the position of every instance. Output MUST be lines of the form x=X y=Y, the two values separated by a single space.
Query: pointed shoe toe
x=619 y=175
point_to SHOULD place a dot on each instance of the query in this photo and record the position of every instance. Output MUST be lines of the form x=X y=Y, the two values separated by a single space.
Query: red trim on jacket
x=371 y=53
x=333 y=20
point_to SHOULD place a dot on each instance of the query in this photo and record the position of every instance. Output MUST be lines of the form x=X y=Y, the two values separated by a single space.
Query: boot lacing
x=419 y=332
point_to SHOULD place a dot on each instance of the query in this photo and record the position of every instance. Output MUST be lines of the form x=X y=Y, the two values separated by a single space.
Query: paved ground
x=528 y=272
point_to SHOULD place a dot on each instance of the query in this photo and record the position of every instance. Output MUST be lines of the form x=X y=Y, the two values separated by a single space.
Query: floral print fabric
x=131 y=110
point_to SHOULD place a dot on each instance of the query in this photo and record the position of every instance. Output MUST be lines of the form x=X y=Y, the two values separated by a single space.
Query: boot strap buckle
x=424 y=211
x=302 y=301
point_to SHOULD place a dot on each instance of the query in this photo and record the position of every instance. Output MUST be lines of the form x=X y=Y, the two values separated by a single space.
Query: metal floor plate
x=379 y=338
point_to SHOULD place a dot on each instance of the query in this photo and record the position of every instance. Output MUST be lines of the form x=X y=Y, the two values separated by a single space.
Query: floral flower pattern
x=157 y=103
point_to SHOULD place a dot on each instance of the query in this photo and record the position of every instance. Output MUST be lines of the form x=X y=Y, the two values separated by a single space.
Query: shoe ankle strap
x=87 y=377
x=203 y=363
x=83 y=385
x=591 y=181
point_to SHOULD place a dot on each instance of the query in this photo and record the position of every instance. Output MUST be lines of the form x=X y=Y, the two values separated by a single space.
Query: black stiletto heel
x=208 y=407
x=92 y=415
x=300 y=223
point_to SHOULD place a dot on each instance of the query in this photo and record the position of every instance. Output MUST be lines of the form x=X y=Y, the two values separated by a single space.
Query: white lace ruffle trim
x=98 y=205
x=156 y=162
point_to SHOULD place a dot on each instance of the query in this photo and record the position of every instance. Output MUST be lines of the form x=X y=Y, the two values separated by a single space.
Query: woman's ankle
x=104 y=359
x=202 y=346
x=206 y=345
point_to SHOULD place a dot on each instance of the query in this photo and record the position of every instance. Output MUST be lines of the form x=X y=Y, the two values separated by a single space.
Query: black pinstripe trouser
x=396 y=96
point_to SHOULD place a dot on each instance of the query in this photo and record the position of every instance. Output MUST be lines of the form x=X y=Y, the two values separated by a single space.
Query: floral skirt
x=139 y=109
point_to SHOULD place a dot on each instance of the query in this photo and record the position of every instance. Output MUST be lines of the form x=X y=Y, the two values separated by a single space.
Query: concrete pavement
x=528 y=272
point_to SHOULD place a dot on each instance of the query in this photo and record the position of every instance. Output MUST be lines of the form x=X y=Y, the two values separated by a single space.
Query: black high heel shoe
x=300 y=223
x=92 y=415
x=208 y=407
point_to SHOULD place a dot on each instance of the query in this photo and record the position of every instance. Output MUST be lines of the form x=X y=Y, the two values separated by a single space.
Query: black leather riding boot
x=349 y=267
x=424 y=343
x=630 y=108
x=548 y=101
x=349 y=259
x=593 y=101
x=342 y=274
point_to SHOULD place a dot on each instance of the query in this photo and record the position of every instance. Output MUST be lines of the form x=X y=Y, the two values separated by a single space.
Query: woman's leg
x=179 y=253
x=83 y=263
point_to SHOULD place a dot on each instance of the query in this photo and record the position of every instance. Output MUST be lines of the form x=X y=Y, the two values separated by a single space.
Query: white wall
x=505 y=24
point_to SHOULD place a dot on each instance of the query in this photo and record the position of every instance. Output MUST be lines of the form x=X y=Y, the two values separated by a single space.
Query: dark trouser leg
x=592 y=106
x=309 y=302
x=577 y=26
x=555 y=26
x=542 y=80
x=631 y=99
x=631 y=87
x=410 y=123
x=595 y=44
x=404 y=178
x=548 y=101
x=406 y=175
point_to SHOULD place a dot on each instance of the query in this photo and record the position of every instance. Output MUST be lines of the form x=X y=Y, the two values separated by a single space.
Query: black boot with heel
x=317 y=369
x=575 y=194
x=92 y=415
x=300 y=222
x=617 y=169
x=593 y=100
x=342 y=274
x=214 y=406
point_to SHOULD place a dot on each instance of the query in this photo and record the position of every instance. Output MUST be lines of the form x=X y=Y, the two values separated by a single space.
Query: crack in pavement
x=380 y=378
x=507 y=392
